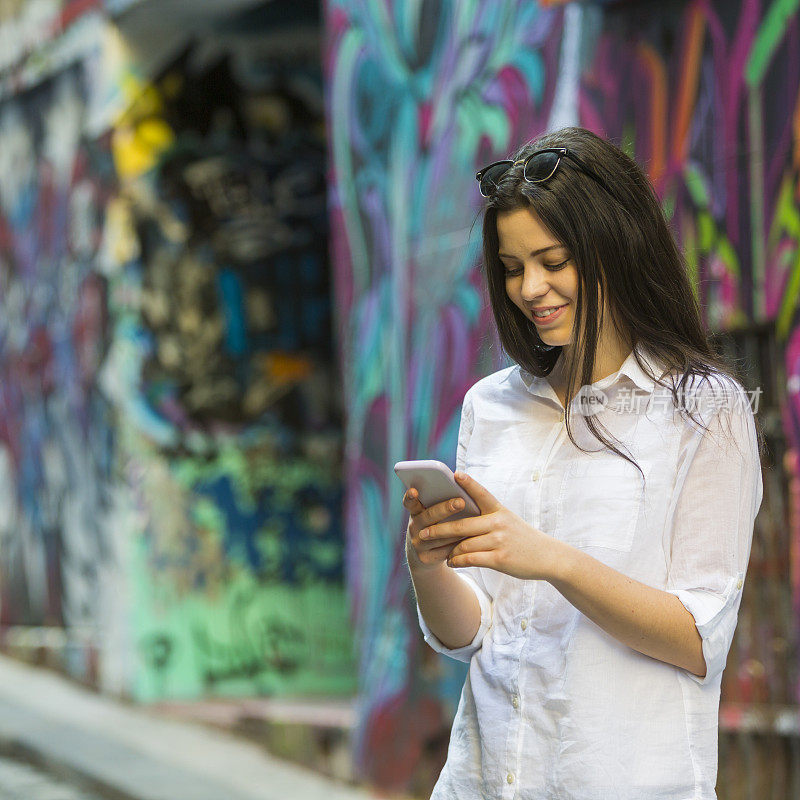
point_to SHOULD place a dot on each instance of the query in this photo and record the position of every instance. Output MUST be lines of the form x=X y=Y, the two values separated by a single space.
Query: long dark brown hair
x=619 y=240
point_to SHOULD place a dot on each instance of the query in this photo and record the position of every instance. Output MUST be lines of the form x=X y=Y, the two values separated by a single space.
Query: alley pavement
x=20 y=780
x=122 y=752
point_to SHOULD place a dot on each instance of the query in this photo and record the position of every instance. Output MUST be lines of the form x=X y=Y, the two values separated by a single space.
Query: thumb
x=483 y=498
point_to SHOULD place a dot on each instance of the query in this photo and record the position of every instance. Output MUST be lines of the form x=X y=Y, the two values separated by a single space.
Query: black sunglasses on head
x=538 y=168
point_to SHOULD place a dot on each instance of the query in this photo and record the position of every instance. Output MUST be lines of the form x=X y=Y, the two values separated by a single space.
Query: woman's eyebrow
x=534 y=252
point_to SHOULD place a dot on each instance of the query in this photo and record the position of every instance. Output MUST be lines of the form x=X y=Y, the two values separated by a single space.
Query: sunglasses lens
x=491 y=177
x=541 y=166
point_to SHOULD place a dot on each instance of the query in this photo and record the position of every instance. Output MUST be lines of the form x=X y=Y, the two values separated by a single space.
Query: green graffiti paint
x=770 y=35
x=252 y=639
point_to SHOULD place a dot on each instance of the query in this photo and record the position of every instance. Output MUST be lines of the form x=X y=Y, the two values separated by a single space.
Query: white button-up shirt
x=553 y=707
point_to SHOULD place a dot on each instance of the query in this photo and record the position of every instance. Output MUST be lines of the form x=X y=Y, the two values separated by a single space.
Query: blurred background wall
x=206 y=374
x=171 y=416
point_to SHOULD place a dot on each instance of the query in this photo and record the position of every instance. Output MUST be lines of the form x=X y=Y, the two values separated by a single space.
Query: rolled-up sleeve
x=715 y=501
x=463 y=653
x=472 y=576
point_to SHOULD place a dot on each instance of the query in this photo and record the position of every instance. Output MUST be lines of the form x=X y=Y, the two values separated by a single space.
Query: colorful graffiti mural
x=703 y=94
x=222 y=357
x=171 y=415
x=59 y=562
x=56 y=438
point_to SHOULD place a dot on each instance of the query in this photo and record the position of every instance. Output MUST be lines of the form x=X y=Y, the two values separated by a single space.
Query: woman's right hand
x=426 y=555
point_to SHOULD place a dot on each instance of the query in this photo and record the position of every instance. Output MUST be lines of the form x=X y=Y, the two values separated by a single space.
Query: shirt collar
x=629 y=369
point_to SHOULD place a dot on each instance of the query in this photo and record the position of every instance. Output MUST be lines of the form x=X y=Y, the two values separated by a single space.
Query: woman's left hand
x=497 y=539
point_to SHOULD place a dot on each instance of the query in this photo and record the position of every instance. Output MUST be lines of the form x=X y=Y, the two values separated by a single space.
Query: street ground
x=59 y=741
x=20 y=780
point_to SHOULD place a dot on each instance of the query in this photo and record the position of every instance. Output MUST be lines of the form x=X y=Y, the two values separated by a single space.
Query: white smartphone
x=435 y=483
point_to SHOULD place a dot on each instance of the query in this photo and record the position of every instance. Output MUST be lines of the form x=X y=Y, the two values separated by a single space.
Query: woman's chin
x=555 y=341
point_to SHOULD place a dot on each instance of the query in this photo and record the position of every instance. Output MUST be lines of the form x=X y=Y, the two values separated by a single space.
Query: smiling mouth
x=545 y=314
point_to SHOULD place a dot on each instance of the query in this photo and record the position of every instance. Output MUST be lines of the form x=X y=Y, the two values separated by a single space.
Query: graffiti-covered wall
x=223 y=361
x=58 y=554
x=705 y=96
x=171 y=415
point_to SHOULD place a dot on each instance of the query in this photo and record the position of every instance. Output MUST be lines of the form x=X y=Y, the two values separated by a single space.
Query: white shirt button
x=515 y=701
x=536 y=475
x=524 y=624
x=561 y=417
x=510 y=778
x=739 y=584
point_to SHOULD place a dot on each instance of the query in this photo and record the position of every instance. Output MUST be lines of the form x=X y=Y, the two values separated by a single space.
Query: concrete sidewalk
x=128 y=753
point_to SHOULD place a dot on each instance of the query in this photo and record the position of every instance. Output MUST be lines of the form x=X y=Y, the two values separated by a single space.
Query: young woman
x=596 y=596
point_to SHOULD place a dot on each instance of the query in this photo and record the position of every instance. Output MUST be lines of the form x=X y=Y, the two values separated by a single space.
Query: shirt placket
x=517 y=687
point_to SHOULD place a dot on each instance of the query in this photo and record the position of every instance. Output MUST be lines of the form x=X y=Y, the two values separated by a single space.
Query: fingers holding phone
x=431 y=482
x=427 y=554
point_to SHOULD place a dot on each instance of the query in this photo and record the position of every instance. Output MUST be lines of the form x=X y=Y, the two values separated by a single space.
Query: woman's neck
x=609 y=358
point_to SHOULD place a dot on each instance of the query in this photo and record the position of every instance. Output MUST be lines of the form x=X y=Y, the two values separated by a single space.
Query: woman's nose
x=534 y=284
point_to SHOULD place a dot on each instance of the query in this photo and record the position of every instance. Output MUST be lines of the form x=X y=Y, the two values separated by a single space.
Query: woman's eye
x=511 y=272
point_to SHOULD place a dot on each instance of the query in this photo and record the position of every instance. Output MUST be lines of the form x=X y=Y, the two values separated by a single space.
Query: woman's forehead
x=521 y=229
